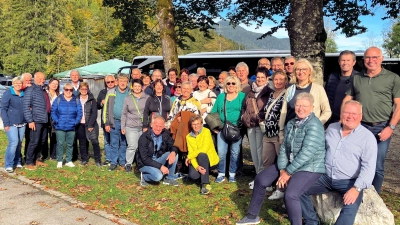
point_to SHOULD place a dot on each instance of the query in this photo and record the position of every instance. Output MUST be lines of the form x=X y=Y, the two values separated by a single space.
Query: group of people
x=304 y=138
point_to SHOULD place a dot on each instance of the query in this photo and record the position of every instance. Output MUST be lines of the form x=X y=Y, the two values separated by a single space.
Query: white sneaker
x=269 y=189
x=59 y=165
x=276 y=195
x=251 y=185
x=70 y=164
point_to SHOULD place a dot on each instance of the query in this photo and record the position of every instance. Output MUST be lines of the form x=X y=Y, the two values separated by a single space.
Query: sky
x=373 y=35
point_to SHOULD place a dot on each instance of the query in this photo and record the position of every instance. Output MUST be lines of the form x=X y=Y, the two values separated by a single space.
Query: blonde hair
x=17 y=79
x=232 y=79
x=310 y=67
x=83 y=84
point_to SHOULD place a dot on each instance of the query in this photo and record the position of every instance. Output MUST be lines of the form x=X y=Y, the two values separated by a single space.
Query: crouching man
x=156 y=156
x=350 y=162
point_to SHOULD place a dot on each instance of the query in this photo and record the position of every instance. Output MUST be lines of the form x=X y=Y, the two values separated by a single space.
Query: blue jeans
x=154 y=174
x=223 y=150
x=132 y=136
x=383 y=147
x=13 y=152
x=326 y=184
x=106 y=144
x=117 y=145
x=67 y=137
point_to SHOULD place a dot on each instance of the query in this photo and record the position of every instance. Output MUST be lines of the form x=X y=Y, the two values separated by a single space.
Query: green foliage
x=331 y=46
x=392 y=41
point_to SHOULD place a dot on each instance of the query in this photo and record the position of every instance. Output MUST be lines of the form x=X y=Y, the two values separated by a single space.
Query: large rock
x=372 y=211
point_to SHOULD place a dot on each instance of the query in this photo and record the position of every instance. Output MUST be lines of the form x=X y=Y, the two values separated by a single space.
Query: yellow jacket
x=203 y=143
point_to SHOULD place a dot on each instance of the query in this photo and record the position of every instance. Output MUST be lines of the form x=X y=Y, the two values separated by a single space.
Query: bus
x=215 y=62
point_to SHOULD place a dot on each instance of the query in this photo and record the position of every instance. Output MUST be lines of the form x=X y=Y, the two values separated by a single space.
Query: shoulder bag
x=230 y=132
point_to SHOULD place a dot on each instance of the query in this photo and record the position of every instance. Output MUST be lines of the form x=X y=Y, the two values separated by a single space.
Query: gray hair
x=277 y=58
x=202 y=68
x=242 y=64
x=75 y=71
x=187 y=83
x=290 y=57
x=193 y=75
x=68 y=85
x=305 y=96
x=352 y=102
x=109 y=75
x=25 y=75
x=157 y=118
x=17 y=79
x=122 y=75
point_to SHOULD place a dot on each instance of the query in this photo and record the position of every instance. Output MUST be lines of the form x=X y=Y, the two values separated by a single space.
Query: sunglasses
x=291 y=63
x=71 y=90
x=110 y=82
x=179 y=86
x=231 y=83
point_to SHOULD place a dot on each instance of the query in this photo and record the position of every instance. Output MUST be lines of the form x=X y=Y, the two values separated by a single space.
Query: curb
x=71 y=200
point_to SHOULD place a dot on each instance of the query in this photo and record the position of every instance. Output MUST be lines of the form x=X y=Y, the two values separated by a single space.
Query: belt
x=373 y=123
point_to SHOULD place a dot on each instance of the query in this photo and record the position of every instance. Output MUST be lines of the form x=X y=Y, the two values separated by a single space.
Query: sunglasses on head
x=110 y=82
x=231 y=83
x=71 y=90
x=291 y=63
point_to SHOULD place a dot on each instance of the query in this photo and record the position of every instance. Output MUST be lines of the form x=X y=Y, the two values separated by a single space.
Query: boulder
x=372 y=210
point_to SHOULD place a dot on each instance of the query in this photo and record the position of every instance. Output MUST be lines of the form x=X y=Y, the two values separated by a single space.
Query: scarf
x=256 y=89
x=300 y=122
x=292 y=89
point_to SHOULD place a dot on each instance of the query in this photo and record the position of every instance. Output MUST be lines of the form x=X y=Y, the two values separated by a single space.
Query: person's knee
x=157 y=176
x=202 y=157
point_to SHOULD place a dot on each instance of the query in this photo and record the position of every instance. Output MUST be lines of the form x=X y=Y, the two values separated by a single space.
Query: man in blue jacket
x=36 y=107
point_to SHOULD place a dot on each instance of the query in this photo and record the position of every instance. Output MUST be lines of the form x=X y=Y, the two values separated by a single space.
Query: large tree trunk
x=165 y=16
x=307 y=34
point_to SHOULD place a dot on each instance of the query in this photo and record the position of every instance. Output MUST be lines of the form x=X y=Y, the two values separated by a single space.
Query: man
x=156 y=156
x=109 y=81
x=27 y=80
x=277 y=64
x=338 y=83
x=263 y=62
x=350 y=165
x=112 y=112
x=157 y=74
x=193 y=80
x=74 y=75
x=221 y=81
x=289 y=66
x=378 y=90
x=136 y=74
x=201 y=71
x=36 y=106
x=242 y=71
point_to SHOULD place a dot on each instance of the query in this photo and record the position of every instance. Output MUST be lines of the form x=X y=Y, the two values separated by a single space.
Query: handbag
x=213 y=120
x=230 y=132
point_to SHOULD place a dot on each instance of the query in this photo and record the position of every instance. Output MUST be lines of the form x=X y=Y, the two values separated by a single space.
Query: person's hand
x=283 y=179
x=171 y=158
x=102 y=102
x=280 y=141
x=206 y=101
x=179 y=119
x=164 y=170
x=201 y=170
x=187 y=162
x=7 y=128
x=32 y=126
x=351 y=196
x=123 y=131
x=385 y=134
x=145 y=129
x=107 y=128
x=90 y=129
x=216 y=131
x=203 y=110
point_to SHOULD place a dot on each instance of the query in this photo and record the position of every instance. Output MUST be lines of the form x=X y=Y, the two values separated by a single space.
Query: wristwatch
x=358 y=189
x=392 y=126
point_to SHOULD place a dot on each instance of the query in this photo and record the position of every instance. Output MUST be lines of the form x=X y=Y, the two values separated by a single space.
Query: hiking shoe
x=220 y=179
x=276 y=195
x=251 y=185
x=232 y=180
x=112 y=167
x=168 y=181
x=84 y=163
x=247 y=221
x=19 y=166
x=70 y=164
x=9 y=170
x=106 y=163
x=128 y=168
x=59 y=165
x=30 y=167
x=269 y=189
x=205 y=189
x=40 y=163
x=98 y=164
x=143 y=183
x=179 y=175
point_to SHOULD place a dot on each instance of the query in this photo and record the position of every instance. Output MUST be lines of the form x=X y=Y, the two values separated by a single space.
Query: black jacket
x=90 y=114
x=153 y=106
x=144 y=155
x=101 y=97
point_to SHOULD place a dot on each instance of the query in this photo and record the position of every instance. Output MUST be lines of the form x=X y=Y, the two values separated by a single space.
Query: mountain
x=249 y=39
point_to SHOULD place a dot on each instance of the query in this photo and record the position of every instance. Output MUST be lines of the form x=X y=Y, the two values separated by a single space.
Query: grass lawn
x=120 y=193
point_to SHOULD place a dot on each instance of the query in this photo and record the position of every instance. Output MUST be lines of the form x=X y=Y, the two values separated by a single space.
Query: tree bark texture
x=307 y=34
x=165 y=16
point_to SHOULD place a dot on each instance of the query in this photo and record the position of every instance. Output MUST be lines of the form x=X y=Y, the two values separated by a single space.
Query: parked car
x=2 y=90
x=6 y=83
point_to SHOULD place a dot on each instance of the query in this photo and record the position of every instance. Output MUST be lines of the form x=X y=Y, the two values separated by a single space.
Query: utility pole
x=87 y=50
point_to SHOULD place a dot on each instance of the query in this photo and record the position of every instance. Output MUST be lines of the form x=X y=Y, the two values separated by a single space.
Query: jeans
x=298 y=184
x=67 y=137
x=270 y=150
x=223 y=150
x=383 y=147
x=255 y=136
x=326 y=184
x=106 y=144
x=84 y=144
x=37 y=143
x=13 y=152
x=203 y=161
x=154 y=174
x=132 y=137
x=117 y=144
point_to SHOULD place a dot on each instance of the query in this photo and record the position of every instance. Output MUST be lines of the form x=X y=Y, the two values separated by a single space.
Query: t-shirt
x=233 y=108
x=119 y=102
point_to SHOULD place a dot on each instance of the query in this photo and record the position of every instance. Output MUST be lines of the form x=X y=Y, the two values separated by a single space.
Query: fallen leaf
x=3 y=189
x=64 y=209
x=34 y=223
x=81 y=218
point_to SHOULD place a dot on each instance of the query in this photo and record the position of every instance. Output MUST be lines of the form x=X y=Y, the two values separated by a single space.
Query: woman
x=304 y=82
x=232 y=71
x=14 y=124
x=301 y=162
x=53 y=91
x=213 y=85
x=66 y=113
x=205 y=96
x=88 y=129
x=253 y=104
x=201 y=153
x=177 y=90
x=234 y=101
x=186 y=102
x=146 y=80
x=158 y=104
x=171 y=79
x=184 y=75
x=132 y=120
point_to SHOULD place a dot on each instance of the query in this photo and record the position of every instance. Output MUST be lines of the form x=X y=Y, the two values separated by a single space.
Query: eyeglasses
x=83 y=89
x=71 y=90
x=291 y=63
x=178 y=86
x=231 y=83
x=110 y=82
x=301 y=69
x=373 y=58
x=302 y=106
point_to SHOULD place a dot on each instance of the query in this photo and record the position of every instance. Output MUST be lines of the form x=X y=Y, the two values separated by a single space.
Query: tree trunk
x=307 y=34
x=165 y=16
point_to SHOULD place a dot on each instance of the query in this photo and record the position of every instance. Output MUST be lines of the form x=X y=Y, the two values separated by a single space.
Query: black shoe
x=112 y=167
x=106 y=163
x=128 y=168
x=98 y=164
x=84 y=163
